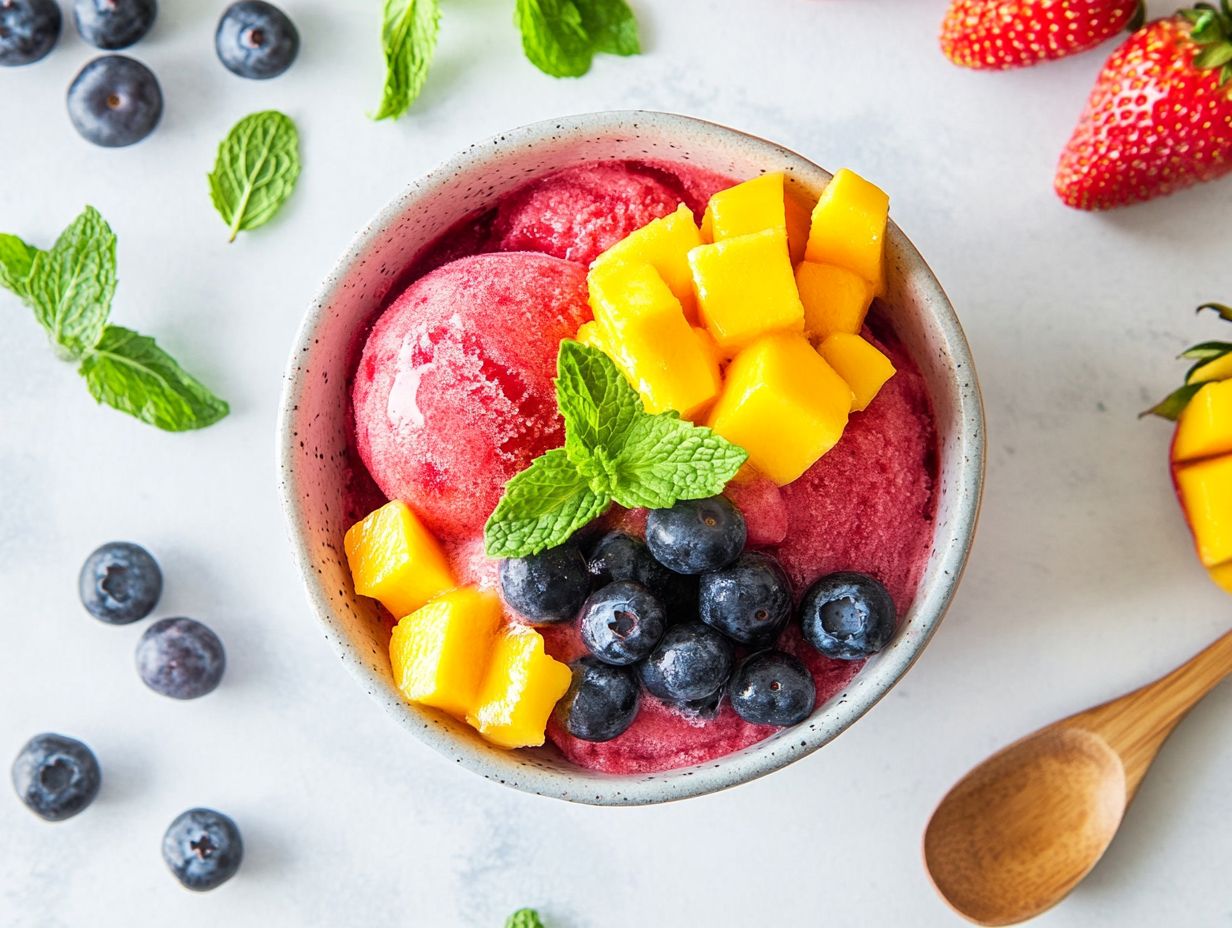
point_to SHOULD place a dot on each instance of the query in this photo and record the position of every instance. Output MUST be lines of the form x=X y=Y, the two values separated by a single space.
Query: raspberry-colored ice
x=453 y=395
x=580 y=212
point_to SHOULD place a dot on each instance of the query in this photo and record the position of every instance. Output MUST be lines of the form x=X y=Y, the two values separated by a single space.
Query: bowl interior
x=315 y=421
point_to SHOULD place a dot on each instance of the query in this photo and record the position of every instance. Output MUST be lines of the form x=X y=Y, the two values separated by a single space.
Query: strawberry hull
x=460 y=425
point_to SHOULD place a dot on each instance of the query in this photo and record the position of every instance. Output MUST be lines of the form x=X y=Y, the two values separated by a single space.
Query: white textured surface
x=1082 y=583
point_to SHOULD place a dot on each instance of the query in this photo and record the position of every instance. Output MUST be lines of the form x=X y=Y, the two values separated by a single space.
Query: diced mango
x=395 y=559
x=664 y=244
x=589 y=333
x=1222 y=575
x=1218 y=369
x=440 y=651
x=783 y=404
x=1205 y=426
x=835 y=299
x=1206 y=493
x=865 y=369
x=745 y=289
x=709 y=346
x=849 y=226
x=746 y=208
x=645 y=332
x=520 y=690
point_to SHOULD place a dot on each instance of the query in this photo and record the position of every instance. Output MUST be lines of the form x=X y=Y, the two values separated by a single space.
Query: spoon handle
x=1137 y=724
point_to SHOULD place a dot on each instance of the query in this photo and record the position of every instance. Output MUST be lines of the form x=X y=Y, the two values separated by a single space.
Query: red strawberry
x=998 y=34
x=1159 y=118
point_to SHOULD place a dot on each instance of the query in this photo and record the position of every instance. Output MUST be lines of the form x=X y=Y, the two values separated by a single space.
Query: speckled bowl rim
x=875 y=679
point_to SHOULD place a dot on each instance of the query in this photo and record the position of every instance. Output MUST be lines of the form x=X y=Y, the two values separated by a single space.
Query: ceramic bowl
x=315 y=419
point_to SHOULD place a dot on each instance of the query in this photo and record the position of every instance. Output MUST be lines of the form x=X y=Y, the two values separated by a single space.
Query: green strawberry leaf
x=541 y=508
x=129 y=372
x=667 y=459
x=408 y=36
x=1206 y=351
x=70 y=287
x=1224 y=312
x=255 y=170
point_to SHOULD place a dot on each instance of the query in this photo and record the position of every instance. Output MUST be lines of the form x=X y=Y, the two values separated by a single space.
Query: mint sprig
x=561 y=37
x=409 y=32
x=614 y=451
x=524 y=918
x=255 y=170
x=69 y=288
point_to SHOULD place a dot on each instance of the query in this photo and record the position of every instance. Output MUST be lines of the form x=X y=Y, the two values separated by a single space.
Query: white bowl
x=315 y=421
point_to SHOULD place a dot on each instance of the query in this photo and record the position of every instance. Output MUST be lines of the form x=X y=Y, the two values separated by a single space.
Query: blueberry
x=180 y=658
x=203 y=848
x=28 y=30
x=621 y=622
x=115 y=101
x=696 y=535
x=748 y=601
x=691 y=662
x=619 y=556
x=113 y=24
x=120 y=583
x=772 y=688
x=546 y=587
x=601 y=702
x=847 y=616
x=56 y=777
x=256 y=39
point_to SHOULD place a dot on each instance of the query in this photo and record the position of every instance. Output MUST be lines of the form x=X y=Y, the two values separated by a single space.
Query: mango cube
x=849 y=226
x=746 y=208
x=1217 y=369
x=643 y=329
x=1205 y=426
x=1206 y=493
x=745 y=289
x=664 y=244
x=835 y=299
x=798 y=217
x=1222 y=575
x=590 y=334
x=520 y=690
x=395 y=559
x=865 y=369
x=440 y=651
x=783 y=404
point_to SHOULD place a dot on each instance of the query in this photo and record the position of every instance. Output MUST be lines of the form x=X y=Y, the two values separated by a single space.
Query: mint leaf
x=255 y=170
x=409 y=38
x=541 y=508
x=611 y=26
x=524 y=918
x=16 y=260
x=129 y=372
x=70 y=287
x=595 y=400
x=666 y=459
x=561 y=37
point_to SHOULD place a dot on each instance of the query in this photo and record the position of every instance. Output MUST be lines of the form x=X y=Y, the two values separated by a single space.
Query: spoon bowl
x=1050 y=803
x=1022 y=829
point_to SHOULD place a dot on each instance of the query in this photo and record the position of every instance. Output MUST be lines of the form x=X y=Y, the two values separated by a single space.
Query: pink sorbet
x=453 y=396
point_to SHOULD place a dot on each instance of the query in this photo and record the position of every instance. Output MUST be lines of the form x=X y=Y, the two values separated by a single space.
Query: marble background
x=1082 y=582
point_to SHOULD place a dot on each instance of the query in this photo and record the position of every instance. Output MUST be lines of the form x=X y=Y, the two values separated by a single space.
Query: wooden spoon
x=1022 y=829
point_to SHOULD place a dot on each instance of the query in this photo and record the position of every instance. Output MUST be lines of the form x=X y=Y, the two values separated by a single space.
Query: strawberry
x=999 y=34
x=1160 y=116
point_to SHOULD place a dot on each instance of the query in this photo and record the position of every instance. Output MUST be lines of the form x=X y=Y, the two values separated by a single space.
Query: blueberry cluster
x=116 y=100
x=57 y=776
x=690 y=617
